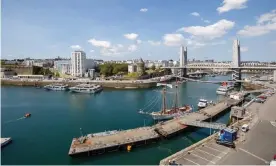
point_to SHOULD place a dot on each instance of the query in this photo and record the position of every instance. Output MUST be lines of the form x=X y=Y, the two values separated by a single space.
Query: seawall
x=105 y=84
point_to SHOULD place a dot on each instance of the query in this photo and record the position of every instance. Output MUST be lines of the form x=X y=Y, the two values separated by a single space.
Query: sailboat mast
x=176 y=97
x=164 y=100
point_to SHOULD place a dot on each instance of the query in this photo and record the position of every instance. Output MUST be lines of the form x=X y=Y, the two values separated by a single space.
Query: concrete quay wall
x=105 y=84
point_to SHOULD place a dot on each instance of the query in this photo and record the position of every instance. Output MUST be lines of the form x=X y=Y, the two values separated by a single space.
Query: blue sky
x=127 y=29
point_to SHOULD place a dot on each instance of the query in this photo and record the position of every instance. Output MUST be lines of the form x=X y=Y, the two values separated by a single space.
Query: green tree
x=57 y=74
x=109 y=69
x=153 y=67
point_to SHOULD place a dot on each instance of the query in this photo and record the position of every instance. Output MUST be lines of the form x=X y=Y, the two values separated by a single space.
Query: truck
x=227 y=137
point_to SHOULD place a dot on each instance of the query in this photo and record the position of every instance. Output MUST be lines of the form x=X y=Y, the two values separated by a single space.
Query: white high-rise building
x=183 y=56
x=183 y=60
x=78 y=67
x=236 y=57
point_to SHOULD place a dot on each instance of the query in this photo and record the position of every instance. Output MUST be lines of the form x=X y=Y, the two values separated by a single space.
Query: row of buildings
x=78 y=65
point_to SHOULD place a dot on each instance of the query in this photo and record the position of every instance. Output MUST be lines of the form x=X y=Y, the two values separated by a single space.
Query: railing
x=211 y=125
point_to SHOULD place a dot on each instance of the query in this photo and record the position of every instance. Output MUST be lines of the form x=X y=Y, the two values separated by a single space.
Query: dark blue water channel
x=57 y=117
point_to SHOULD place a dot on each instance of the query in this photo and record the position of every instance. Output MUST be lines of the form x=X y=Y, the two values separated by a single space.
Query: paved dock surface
x=129 y=137
x=121 y=138
x=260 y=144
x=174 y=125
x=255 y=147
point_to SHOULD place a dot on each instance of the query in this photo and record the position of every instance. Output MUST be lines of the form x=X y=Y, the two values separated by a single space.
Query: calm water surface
x=57 y=117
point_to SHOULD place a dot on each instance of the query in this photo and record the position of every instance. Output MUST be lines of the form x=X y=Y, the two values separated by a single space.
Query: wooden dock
x=135 y=137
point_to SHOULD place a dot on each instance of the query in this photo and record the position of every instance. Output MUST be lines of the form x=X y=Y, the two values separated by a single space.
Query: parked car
x=259 y=100
x=262 y=97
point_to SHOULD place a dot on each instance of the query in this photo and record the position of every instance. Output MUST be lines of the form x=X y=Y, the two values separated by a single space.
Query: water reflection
x=80 y=100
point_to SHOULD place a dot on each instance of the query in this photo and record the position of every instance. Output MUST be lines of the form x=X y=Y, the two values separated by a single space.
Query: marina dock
x=127 y=139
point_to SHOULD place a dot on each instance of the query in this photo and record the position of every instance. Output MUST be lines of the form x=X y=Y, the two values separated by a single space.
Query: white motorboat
x=202 y=103
x=225 y=89
x=57 y=87
x=86 y=88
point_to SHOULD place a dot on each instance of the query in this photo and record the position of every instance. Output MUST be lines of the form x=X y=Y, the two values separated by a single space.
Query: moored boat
x=224 y=89
x=202 y=103
x=176 y=111
x=57 y=87
x=5 y=141
x=86 y=88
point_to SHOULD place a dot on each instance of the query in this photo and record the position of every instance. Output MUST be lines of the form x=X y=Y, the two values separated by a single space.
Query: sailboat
x=175 y=111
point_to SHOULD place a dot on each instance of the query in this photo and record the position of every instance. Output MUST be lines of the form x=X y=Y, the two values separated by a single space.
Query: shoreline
x=104 y=84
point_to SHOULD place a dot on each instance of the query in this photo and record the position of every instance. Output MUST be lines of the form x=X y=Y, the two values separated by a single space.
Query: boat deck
x=5 y=141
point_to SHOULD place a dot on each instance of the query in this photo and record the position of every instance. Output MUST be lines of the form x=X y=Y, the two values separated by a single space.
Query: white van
x=245 y=127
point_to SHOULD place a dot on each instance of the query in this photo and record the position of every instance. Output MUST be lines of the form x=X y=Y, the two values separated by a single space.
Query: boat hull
x=159 y=116
x=5 y=142
x=89 y=91
x=57 y=89
x=221 y=93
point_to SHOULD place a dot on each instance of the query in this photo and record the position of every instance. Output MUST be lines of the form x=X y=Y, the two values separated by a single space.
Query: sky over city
x=130 y=29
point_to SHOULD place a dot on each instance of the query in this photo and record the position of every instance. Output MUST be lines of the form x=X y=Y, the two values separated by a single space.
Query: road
x=260 y=143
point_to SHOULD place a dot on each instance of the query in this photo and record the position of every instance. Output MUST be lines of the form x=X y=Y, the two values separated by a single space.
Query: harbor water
x=56 y=118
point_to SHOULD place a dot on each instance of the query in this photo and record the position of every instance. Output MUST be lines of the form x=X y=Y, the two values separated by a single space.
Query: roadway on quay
x=260 y=145
x=255 y=147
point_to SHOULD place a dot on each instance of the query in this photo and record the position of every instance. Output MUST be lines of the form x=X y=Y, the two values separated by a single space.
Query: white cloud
x=131 y=36
x=173 y=39
x=207 y=21
x=244 y=49
x=228 y=5
x=92 y=50
x=100 y=43
x=265 y=24
x=76 y=47
x=267 y=17
x=195 y=14
x=154 y=43
x=118 y=50
x=215 y=30
x=132 y=48
x=143 y=10
x=138 y=41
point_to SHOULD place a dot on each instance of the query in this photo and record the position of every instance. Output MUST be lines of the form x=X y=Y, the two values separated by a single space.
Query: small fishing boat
x=27 y=115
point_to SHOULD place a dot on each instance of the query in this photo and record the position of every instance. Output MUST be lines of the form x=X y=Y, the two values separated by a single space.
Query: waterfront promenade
x=256 y=147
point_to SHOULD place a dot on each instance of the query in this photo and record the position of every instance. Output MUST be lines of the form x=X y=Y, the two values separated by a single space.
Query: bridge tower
x=236 y=61
x=183 y=61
